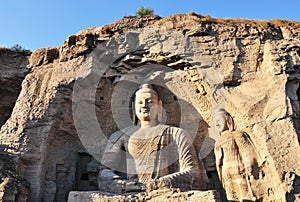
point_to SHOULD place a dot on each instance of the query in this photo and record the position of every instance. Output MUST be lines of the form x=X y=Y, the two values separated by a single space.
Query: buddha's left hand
x=134 y=186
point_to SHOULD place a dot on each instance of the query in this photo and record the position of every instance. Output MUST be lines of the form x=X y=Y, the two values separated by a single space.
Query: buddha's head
x=147 y=103
x=223 y=121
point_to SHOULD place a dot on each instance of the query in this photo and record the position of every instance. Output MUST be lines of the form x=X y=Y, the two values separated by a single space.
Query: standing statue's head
x=223 y=121
x=147 y=105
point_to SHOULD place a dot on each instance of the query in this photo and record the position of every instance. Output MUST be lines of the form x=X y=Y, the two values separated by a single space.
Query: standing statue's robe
x=162 y=153
x=237 y=165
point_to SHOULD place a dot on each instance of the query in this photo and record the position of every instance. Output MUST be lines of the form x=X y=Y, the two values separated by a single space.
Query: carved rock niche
x=185 y=95
x=188 y=101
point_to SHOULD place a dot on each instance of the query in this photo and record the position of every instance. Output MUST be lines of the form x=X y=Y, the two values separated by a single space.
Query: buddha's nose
x=144 y=104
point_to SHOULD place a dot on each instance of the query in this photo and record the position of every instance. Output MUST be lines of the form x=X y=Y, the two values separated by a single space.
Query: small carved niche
x=87 y=169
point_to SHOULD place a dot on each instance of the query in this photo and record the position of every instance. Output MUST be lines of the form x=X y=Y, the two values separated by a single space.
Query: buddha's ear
x=160 y=103
x=230 y=122
x=160 y=112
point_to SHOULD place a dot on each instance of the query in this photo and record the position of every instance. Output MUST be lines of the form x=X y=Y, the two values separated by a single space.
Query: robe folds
x=162 y=153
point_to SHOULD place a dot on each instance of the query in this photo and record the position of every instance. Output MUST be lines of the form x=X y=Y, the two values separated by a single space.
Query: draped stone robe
x=237 y=165
x=162 y=153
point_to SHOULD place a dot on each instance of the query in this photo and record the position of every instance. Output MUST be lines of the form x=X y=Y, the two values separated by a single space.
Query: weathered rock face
x=12 y=186
x=13 y=71
x=78 y=94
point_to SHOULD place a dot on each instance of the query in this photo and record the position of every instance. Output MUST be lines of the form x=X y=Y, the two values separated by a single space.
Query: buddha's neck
x=147 y=124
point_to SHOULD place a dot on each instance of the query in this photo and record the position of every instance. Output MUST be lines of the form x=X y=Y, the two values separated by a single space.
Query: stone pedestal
x=157 y=195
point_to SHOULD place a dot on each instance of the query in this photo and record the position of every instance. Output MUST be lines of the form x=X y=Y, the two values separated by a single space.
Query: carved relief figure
x=150 y=155
x=236 y=160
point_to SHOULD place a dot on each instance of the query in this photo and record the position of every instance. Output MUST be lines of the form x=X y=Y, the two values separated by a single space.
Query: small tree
x=144 y=11
x=20 y=49
x=17 y=47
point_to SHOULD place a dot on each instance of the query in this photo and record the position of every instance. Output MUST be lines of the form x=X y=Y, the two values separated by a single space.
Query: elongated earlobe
x=230 y=122
x=160 y=103
x=160 y=112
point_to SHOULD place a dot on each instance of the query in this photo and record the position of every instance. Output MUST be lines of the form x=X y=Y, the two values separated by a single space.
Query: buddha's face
x=146 y=106
x=220 y=122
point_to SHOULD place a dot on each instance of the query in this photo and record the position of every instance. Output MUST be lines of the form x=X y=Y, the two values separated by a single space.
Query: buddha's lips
x=145 y=111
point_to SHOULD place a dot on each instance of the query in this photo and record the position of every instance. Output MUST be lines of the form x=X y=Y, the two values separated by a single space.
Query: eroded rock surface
x=12 y=72
x=247 y=67
x=12 y=186
x=160 y=195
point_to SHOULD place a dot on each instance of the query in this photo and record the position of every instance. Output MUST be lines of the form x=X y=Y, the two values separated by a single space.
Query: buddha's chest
x=143 y=146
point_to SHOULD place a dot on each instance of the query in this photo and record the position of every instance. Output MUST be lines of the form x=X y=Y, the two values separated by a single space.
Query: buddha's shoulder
x=123 y=134
x=229 y=136
x=172 y=129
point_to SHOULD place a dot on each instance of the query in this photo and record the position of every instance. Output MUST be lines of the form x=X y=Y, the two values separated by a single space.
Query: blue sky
x=36 y=24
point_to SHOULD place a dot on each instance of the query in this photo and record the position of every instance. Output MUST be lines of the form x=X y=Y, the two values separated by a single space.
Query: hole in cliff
x=231 y=83
x=84 y=177
x=209 y=174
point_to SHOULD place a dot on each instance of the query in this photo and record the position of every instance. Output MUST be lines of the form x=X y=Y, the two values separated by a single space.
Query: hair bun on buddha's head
x=146 y=88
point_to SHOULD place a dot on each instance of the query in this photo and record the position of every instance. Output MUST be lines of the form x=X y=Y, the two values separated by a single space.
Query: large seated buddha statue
x=150 y=155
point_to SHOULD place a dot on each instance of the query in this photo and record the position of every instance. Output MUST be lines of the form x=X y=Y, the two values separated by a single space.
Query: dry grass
x=240 y=21
x=22 y=52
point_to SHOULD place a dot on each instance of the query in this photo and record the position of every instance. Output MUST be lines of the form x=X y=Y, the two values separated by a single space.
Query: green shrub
x=144 y=11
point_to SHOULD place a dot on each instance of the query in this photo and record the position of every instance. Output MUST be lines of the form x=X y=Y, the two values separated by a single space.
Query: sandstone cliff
x=13 y=71
x=68 y=94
